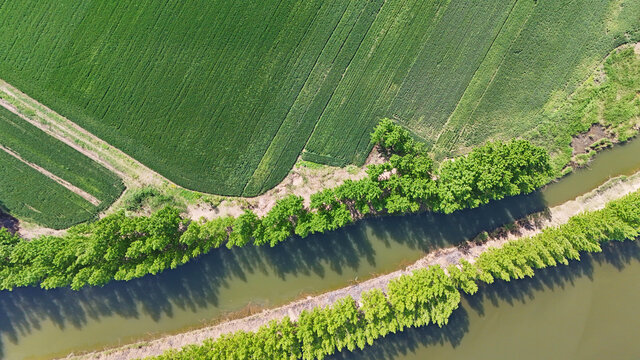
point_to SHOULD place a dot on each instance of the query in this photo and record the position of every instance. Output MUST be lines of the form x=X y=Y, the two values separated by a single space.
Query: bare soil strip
x=63 y=129
x=301 y=181
x=595 y=200
x=85 y=195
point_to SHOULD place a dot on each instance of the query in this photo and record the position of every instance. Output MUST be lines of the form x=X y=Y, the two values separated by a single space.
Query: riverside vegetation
x=122 y=247
x=429 y=295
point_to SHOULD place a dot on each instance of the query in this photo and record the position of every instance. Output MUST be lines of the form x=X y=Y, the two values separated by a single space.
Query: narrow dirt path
x=532 y=225
x=302 y=181
x=130 y=170
x=85 y=195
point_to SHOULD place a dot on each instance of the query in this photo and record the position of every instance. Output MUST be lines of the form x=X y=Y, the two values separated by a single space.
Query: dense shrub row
x=122 y=248
x=619 y=221
x=426 y=296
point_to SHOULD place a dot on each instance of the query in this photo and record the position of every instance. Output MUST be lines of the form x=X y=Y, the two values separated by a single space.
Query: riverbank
x=532 y=225
x=303 y=180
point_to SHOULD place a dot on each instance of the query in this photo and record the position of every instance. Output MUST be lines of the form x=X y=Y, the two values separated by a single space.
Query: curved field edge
x=196 y=85
x=147 y=190
x=596 y=101
x=319 y=83
x=556 y=217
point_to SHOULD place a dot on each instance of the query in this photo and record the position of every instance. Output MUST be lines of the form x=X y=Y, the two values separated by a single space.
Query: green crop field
x=474 y=71
x=537 y=64
x=205 y=92
x=223 y=96
x=30 y=195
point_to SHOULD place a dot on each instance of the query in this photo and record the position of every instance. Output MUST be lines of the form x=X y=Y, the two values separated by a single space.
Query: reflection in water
x=7 y=221
x=207 y=287
x=565 y=304
x=35 y=322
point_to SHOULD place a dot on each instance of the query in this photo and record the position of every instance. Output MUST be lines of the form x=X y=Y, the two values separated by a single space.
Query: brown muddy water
x=39 y=324
x=584 y=311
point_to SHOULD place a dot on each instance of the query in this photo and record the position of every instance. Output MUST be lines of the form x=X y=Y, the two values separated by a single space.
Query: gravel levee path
x=532 y=225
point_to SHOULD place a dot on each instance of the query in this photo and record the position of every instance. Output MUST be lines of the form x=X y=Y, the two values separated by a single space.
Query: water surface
x=35 y=323
x=587 y=310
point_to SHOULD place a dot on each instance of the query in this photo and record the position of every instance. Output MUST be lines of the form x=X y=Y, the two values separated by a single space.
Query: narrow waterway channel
x=37 y=324
x=584 y=311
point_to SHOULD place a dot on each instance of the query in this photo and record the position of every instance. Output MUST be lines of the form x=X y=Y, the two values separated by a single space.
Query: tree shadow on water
x=204 y=283
x=7 y=221
x=430 y=231
x=397 y=346
x=618 y=254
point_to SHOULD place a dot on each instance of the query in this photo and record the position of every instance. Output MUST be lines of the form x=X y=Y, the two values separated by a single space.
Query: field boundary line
x=284 y=119
x=594 y=200
x=346 y=69
x=85 y=195
x=446 y=124
x=131 y=171
x=306 y=82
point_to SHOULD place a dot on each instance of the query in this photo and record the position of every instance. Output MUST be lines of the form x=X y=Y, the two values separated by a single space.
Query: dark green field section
x=223 y=96
x=197 y=90
x=30 y=195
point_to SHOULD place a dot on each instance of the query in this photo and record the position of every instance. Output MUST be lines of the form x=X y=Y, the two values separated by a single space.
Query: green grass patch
x=148 y=197
x=309 y=165
x=609 y=97
x=601 y=144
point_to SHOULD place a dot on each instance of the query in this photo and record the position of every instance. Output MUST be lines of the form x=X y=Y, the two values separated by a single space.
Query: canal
x=583 y=311
x=41 y=324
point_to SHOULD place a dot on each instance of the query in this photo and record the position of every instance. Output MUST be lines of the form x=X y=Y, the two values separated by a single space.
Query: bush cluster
x=427 y=296
x=122 y=247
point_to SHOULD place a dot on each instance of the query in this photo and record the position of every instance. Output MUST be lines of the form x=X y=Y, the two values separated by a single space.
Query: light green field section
x=470 y=71
x=610 y=97
x=536 y=65
x=223 y=97
x=31 y=195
